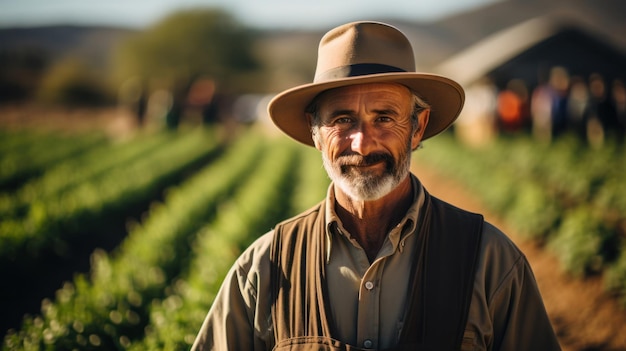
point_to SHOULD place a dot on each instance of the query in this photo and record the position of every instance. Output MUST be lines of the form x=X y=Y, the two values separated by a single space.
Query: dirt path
x=584 y=318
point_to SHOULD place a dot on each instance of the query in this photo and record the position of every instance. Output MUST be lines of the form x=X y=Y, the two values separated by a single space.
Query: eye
x=342 y=121
x=385 y=120
x=386 y=116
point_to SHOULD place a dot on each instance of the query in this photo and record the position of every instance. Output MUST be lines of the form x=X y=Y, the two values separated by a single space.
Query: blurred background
x=150 y=56
x=109 y=109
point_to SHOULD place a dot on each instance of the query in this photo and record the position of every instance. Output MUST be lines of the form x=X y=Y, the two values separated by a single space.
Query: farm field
x=566 y=196
x=147 y=227
x=584 y=315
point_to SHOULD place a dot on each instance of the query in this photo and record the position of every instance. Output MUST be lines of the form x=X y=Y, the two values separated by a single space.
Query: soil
x=584 y=316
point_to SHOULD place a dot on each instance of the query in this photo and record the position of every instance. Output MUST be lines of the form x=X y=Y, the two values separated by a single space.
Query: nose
x=362 y=141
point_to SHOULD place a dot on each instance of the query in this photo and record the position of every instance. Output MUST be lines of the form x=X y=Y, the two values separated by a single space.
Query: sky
x=312 y=14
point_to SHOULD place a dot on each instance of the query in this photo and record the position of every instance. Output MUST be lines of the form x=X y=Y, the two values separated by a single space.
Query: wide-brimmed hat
x=366 y=52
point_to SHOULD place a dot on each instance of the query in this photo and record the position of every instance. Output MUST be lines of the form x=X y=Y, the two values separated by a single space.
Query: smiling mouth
x=369 y=164
x=364 y=163
x=365 y=167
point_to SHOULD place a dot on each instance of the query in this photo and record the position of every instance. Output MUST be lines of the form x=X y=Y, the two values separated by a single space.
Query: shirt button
x=369 y=285
x=368 y=344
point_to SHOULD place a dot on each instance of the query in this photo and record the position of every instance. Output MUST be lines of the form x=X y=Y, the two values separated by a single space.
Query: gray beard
x=367 y=186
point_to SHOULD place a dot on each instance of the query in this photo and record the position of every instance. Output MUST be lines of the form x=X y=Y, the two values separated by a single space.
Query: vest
x=441 y=282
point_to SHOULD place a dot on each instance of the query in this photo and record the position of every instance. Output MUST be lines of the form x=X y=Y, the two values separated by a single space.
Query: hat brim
x=445 y=97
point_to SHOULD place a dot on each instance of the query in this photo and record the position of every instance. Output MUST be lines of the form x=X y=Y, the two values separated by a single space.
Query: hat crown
x=361 y=48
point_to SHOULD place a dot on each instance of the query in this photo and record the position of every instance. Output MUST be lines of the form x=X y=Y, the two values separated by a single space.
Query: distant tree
x=71 y=82
x=187 y=46
x=20 y=73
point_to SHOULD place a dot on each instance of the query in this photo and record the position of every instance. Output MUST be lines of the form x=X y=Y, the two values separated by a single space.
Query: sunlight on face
x=365 y=138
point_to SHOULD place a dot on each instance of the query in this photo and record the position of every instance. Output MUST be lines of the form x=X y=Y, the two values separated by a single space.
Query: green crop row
x=92 y=166
x=565 y=195
x=110 y=307
x=56 y=233
x=54 y=222
x=252 y=211
x=154 y=290
x=26 y=154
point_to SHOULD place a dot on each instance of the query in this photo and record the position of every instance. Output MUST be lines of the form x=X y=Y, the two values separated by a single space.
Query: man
x=379 y=264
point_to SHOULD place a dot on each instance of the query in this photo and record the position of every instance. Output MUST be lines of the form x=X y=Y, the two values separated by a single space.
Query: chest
x=368 y=301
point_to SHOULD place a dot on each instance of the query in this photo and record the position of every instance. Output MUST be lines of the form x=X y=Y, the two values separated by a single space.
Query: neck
x=370 y=221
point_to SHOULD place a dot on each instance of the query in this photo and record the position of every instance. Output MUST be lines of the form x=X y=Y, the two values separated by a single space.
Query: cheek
x=399 y=136
x=332 y=141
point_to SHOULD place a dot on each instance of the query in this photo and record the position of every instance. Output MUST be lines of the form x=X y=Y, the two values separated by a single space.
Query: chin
x=369 y=190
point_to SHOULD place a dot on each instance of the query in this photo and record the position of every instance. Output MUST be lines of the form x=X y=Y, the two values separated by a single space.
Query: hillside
x=433 y=41
x=92 y=43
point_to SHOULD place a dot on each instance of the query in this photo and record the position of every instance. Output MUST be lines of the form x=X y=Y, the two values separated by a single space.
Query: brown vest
x=442 y=281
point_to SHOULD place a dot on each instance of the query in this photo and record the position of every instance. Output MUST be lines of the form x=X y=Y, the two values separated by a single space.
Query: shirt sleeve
x=235 y=320
x=518 y=315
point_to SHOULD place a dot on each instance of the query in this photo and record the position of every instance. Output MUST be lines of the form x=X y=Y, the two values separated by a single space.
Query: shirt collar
x=407 y=224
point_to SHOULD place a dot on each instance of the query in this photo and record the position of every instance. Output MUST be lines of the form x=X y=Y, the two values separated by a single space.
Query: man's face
x=366 y=137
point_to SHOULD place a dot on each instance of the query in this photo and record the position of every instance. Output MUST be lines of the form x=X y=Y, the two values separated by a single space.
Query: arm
x=520 y=321
x=236 y=321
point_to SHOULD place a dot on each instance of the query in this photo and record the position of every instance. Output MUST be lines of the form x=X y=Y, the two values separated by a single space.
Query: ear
x=422 y=122
x=309 y=118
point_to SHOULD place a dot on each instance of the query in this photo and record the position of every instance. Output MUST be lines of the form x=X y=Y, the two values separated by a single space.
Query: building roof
x=478 y=60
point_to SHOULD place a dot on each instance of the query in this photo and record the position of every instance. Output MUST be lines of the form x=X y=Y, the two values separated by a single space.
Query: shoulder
x=496 y=242
x=251 y=267
x=500 y=262
x=256 y=253
x=312 y=213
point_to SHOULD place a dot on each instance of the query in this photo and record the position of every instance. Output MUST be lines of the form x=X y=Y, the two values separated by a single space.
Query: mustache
x=364 y=160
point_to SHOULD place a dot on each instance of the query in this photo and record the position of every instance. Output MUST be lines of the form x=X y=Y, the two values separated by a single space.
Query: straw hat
x=366 y=52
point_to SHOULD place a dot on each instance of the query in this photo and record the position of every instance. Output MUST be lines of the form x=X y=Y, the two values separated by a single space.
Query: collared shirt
x=367 y=300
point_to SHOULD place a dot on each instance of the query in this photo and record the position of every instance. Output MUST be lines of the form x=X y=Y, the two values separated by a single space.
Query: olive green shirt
x=368 y=300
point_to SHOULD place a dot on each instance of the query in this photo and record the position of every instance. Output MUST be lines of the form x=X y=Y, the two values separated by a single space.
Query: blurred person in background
x=619 y=100
x=560 y=82
x=601 y=117
x=379 y=263
x=512 y=104
x=542 y=103
x=577 y=103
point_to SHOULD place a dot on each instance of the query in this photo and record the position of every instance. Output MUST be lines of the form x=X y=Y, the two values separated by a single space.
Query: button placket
x=368 y=324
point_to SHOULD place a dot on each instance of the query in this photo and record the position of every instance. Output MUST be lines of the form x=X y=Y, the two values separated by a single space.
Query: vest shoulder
x=496 y=243
x=312 y=212
x=452 y=208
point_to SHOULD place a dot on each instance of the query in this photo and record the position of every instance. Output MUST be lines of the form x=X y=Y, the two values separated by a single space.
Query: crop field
x=149 y=226
x=566 y=196
x=203 y=202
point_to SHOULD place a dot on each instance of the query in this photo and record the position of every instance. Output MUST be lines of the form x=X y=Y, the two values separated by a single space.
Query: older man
x=380 y=263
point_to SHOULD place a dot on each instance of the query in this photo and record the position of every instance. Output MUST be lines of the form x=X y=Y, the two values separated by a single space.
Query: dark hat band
x=355 y=70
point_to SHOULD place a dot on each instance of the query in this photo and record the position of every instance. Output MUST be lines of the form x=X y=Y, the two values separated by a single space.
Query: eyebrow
x=387 y=111
x=336 y=113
